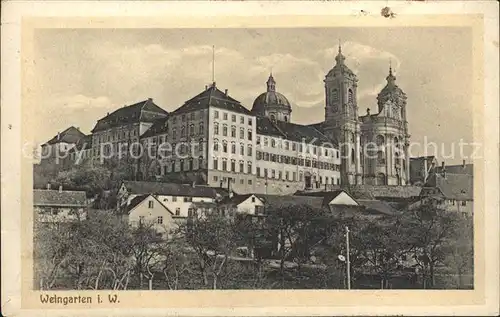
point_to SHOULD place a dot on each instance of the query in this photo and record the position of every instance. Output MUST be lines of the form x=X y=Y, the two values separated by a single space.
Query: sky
x=81 y=74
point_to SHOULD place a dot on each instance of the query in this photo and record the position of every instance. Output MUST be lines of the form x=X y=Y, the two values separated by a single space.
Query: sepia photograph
x=173 y=159
x=187 y=159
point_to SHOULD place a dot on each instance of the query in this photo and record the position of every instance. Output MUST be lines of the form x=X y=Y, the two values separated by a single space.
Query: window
x=265 y=141
x=216 y=178
x=350 y=96
x=183 y=117
x=253 y=199
x=233 y=118
x=249 y=168
x=380 y=157
x=273 y=173
x=216 y=145
x=265 y=172
x=380 y=140
x=249 y=182
x=287 y=175
x=242 y=149
x=224 y=165
x=242 y=119
x=258 y=140
x=190 y=212
x=183 y=131
x=233 y=166
x=224 y=116
x=258 y=171
x=181 y=165
x=216 y=128
x=242 y=167
x=174 y=134
x=191 y=115
x=216 y=164
x=286 y=119
x=286 y=145
x=294 y=146
x=250 y=135
x=150 y=204
x=201 y=128
x=191 y=129
x=224 y=130
x=188 y=199
x=233 y=148
x=233 y=131
x=216 y=114
x=177 y=211
x=160 y=220
x=242 y=133
x=464 y=203
x=141 y=219
x=224 y=147
x=249 y=151
x=273 y=143
x=242 y=181
x=294 y=176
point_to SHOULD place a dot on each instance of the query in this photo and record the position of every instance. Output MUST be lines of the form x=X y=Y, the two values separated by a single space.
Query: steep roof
x=373 y=191
x=56 y=198
x=457 y=169
x=280 y=201
x=453 y=186
x=82 y=144
x=377 y=206
x=136 y=201
x=212 y=97
x=70 y=135
x=144 y=111
x=159 y=126
x=291 y=131
x=172 y=189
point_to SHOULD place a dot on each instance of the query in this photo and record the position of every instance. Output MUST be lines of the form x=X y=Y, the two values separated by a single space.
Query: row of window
x=192 y=131
x=232 y=180
x=294 y=146
x=114 y=136
x=182 y=165
x=232 y=166
x=233 y=131
x=287 y=176
x=233 y=148
x=190 y=116
x=233 y=117
x=270 y=157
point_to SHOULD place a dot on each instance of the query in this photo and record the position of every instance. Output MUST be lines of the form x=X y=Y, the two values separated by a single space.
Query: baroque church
x=261 y=150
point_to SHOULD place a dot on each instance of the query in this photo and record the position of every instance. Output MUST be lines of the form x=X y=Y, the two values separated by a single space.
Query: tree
x=430 y=231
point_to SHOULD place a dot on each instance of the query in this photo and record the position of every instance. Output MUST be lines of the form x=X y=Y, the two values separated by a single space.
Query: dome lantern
x=272 y=104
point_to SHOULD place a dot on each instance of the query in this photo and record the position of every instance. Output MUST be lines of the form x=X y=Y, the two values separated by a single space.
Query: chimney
x=443 y=169
x=150 y=99
x=206 y=87
x=225 y=92
x=463 y=163
x=48 y=186
x=107 y=114
x=368 y=111
x=60 y=188
x=58 y=135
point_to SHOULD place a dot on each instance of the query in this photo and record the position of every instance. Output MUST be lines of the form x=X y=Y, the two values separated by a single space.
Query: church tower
x=341 y=118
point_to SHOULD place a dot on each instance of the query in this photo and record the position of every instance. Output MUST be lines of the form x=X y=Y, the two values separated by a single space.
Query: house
x=181 y=199
x=149 y=211
x=57 y=148
x=452 y=192
x=55 y=206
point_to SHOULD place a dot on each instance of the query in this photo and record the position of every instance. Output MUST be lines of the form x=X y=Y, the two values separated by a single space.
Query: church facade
x=213 y=140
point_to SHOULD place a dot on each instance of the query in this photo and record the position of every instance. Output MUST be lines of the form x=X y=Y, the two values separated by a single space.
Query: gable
x=343 y=199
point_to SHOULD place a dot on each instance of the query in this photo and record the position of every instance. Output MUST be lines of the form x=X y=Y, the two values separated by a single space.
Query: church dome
x=272 y=104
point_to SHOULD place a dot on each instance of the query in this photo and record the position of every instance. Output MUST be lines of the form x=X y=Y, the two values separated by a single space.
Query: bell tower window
x=350 y=96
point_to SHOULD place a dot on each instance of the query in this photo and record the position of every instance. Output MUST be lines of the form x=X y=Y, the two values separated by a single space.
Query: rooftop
x=56 y=198
x=171 y=189
x=70 y=135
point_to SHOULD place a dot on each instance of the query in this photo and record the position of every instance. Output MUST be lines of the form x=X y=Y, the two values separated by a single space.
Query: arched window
x=380 y=157
x=335 y=95
x=273 y=117
x=249 y=150
x=224 y=130
x=216 y=128
x=350 y=96
x=183 y=131
x=273 y=143
x=233 y=148
x=242 y=149
x=353 y=156
x=224 y=147
x=380 y=139
x=201 y=128
x=191 y=129
x=233 y=131
x=381 y=179
x=216 y=145
x=174 y=134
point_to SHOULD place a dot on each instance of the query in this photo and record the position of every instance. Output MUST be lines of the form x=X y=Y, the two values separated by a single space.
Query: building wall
x=119 y=138
x=59 y=214
x=178 y=205
x=244 y=143
x=248 y=206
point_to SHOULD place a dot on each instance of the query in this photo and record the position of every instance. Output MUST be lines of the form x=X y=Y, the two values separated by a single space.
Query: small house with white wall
x=148 y=211
x=182 y=200
x=56 y=206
